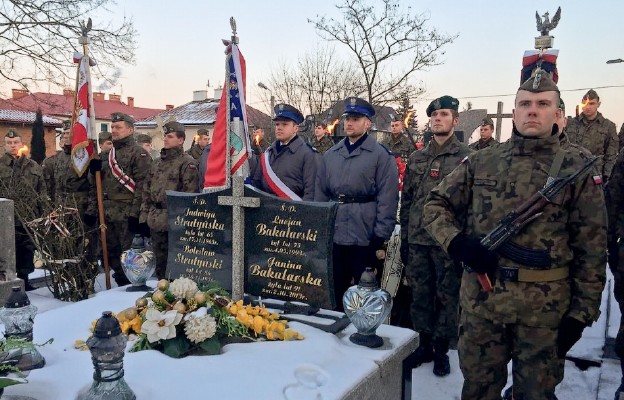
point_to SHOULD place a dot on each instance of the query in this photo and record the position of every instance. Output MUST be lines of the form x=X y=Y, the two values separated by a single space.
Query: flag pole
x=84 y=40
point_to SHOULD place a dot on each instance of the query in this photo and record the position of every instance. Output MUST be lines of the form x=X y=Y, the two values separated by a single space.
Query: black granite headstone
x=200 y=238
x=288 y=250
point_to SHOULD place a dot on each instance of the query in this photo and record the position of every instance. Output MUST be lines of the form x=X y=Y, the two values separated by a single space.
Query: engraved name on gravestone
x=200 y=238
x=288 y=249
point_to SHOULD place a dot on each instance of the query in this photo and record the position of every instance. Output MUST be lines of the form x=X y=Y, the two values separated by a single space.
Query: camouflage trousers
x=118 y=239
x=160 y=245
x=485 y=348
x=434 y=279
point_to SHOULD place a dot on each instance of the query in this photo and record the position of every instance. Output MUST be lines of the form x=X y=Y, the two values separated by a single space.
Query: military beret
x=202 y=131
x=143 y=138
x=591 y=95
x=444 y=102
x=286 y=111
x=67 y=125
x=173 y=126
x=487 y=121
x=358 y=107
x=104 y=136
x=12 y=133
x=117 y=117
x=540 y=82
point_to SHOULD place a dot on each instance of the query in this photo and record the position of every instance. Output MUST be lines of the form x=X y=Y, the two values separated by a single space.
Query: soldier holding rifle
x=546 y=292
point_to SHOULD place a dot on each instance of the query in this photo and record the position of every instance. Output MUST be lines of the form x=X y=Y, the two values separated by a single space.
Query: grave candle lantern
x=138 y=264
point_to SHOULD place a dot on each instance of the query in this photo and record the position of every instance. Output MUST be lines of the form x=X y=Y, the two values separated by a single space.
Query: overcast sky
x=180 y=48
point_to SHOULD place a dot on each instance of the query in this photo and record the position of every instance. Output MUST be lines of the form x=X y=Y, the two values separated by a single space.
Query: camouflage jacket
x=62 y=181
x=401 y=146
x=21 y=180
x=295 y=165
x=598 y=136
x=174 y=171
x=322 y=145
x=621 y=137
x=572 y=230
x=369 y=170
x=425 y=170
x=195 y=151
x=119 y=202
x=483 y=144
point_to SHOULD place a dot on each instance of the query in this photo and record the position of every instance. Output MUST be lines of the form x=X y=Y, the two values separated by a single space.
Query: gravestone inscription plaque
x=288 y=249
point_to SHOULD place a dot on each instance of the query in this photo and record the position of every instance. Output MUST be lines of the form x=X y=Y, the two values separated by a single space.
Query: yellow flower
x=290 y=334
x=81 y=345
x=259 y=324
x=136 y=324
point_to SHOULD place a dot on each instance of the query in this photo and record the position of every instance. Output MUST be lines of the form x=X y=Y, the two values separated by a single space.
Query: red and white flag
x=231 y=129
x=83 y=128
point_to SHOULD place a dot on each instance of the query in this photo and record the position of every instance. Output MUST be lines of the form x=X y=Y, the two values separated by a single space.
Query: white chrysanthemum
x=160 y=326
x=199 y=329
x=183 y=288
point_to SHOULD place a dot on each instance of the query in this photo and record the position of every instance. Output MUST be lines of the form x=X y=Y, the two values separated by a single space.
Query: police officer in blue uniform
x=361 y=175
x=291 y=159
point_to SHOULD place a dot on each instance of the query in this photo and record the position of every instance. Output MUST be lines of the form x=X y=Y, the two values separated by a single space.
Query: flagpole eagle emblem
x=546 y=25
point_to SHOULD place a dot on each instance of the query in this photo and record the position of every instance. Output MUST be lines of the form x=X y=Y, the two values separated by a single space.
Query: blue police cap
x=358 y=107
x=286 y=111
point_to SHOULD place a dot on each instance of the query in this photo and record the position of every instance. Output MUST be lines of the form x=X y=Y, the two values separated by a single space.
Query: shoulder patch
x=312 y=147
x=597 y=180
x=465 y=160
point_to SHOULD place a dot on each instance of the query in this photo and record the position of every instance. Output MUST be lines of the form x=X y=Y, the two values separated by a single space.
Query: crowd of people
x=543 y=292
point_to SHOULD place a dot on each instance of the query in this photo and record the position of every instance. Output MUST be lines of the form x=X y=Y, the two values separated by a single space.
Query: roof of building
x=203 y=112
x=63 y=104
x=28 y=117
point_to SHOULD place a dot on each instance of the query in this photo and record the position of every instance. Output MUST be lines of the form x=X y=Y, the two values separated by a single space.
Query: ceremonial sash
x=118 y=173
x=275 y=183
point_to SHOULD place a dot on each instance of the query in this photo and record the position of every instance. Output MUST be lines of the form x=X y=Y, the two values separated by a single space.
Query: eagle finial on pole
x=546 y=25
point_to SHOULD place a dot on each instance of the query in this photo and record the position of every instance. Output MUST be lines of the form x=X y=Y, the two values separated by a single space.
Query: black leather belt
x=344 y=198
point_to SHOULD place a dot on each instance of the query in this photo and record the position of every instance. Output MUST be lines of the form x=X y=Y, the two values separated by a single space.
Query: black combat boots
x=441 y=366
x=424 y=352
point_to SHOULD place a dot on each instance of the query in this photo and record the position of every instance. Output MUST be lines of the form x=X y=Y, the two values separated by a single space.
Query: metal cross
x=238 y=201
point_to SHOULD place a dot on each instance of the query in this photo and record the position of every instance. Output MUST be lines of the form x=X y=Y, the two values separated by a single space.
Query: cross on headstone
x=499 y=119
x=238 y=201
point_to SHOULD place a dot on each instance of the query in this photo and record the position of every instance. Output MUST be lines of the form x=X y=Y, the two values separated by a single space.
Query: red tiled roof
x=62 y=105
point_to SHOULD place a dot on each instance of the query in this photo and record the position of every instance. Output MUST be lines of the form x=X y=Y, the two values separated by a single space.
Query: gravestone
x=7 y=250
x=287 y=244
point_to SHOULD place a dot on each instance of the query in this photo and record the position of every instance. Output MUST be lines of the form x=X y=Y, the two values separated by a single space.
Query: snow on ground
x=597 y=383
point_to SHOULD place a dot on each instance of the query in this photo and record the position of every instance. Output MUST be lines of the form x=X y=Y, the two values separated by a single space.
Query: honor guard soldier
x=124 y=169
x=361 y=175
x=20 y=178
x=288 y=167
x=549 y=288
x=259 y=143
x=485 y=131
x=200 y=142
x=430 y=271
x=398 y=141
x=105 y=141
x=321 y=140
x=144 y=140
x=175 y=170
x=596 y=133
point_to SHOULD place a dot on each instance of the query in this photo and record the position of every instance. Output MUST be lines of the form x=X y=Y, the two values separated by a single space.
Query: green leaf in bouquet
x=210 y=346
x=176 y=347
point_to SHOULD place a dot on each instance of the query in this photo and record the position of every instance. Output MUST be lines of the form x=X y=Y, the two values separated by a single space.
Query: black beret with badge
x=443 y=103
x=118 y=117
x=355 y=106
x=286 y=111
x=173 y=126
x=12 y=133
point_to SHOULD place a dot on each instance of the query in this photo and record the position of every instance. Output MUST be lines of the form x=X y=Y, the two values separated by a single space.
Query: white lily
x=160 y=325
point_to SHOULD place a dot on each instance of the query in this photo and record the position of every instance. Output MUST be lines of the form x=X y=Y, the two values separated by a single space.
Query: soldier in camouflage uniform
x=430 y=272
x=621 y=137
x=175 y=170
x=292 y=160
x=361 y=175
x=398 y=142
x=615 y=206
x=534 y=313
x=64 y=185
x=105 y=141
x=321 y=140
x=144 y=140
x=20 y=177
x=122 y=185
x=485 y=131
x=595 y=133
x=200 y=142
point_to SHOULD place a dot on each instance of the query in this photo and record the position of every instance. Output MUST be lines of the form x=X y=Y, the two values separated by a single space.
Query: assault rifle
x=498 y=238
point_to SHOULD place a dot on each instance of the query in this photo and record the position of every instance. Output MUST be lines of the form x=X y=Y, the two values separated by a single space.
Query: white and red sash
x=118 y=173
x=275 y=183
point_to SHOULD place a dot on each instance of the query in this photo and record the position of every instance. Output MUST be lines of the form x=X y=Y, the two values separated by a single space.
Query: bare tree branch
x=390 y=44
x=38 y=39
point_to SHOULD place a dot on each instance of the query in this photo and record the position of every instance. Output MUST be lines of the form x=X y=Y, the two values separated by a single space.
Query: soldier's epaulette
x=312 y=147
x=387 y=149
